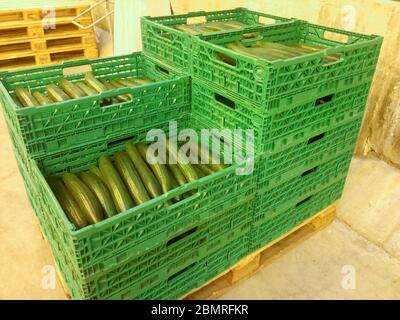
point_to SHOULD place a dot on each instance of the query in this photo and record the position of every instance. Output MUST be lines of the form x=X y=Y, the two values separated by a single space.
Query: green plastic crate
x=275 y=168
x=162 y=41
x=194 y=275
x=96 y=247
x=283 y=125
x=270 y=201
x=266 y=231
x=58 y=127
x=261 y=82
x=140 y=273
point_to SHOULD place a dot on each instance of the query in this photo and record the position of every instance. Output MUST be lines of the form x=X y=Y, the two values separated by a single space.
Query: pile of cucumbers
x=66 y=90
x=125 y=180
x=274 y=51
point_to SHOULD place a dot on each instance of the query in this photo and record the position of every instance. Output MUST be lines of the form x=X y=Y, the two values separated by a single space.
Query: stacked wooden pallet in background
x=35 y=37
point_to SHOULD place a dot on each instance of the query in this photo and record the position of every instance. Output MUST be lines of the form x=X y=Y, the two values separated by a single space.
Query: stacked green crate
x=305 y=111
x=57 y=127
x=165 y=42
x=144 y=246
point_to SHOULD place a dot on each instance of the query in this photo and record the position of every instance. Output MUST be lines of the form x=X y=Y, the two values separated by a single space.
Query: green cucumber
x=131 y=177
x=187 y=169
x=160 y=170
x=25 y=97
x=85 y=198
x=71 y=89
x=206 y=153
x=89 y=91
x=101 y=191
x=95 y=170
x=148 y=178
x=94 y=83
x=110 y=86
x=174 y=185
x=177 y=173
x=41 y=98
x=56 y=94
x=119 y=193
x=205 y=169
x=128 y=83
x=68 y=203
x=199 y=172
x=140 y=81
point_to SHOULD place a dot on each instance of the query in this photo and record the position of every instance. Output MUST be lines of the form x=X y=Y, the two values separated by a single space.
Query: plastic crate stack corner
x=305 y=114
x=305 y=111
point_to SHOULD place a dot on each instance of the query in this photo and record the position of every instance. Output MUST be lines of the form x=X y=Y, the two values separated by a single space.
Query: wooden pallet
x=15 y=31
x=253 y=262
x=33 y=37
x=37 y=14
x=53 y=56
x=23 y=48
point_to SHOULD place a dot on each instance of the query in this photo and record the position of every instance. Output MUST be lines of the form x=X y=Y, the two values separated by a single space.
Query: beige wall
x=381 y=128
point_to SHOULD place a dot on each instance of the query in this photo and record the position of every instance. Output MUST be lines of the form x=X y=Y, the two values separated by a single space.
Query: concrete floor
x=357 y=257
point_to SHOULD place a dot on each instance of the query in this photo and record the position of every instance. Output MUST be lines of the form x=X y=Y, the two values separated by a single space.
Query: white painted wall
x=127 y=34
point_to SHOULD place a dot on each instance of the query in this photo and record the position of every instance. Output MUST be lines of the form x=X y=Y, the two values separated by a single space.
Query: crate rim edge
x=206 y=39
x=26 y=111
x=9 y=102
x=207 y=13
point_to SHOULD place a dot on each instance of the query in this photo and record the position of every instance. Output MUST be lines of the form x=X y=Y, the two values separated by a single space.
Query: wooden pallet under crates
x=249 y=265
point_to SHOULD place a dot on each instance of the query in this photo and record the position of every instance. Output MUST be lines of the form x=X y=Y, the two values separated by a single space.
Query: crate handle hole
x=195 y=20
x=331 y=58
x=303 y=201
x=181 y=271
x=226 y=59
x=336 y=36
x=77 y=69
x=119 y=141
x=225 y=101
x=316 y=138
x=324 y=100
x=249 y=36
x=266 y=20
x=162 y=70
x=181 y=236
x=306 y=173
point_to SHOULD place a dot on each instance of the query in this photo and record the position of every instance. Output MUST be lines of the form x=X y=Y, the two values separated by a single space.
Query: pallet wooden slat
x=36 y=37
x=37 y=14
x=51 y=57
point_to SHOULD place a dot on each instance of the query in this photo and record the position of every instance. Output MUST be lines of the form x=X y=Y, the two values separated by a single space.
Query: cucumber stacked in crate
x=167 y=239
x=169 y=38
x=86 y=114
x=122 y=227
x=78 y=130
x=302 y=88
x=35 y=37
